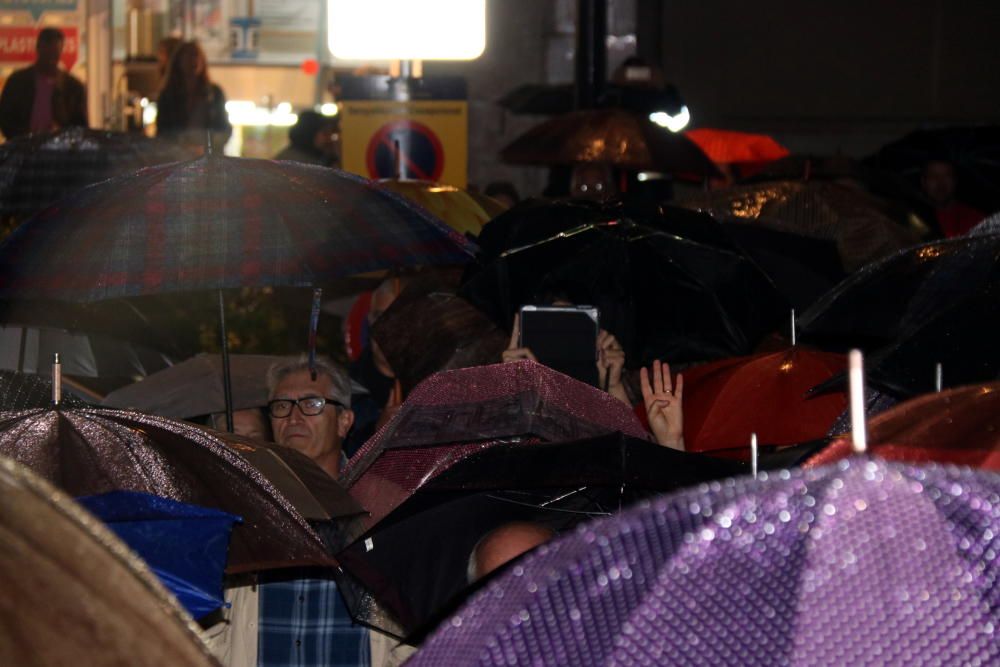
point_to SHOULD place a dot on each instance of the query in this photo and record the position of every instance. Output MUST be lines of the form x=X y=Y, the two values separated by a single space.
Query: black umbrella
x=975 y=152
x=415 y=560
x=23 y=391
x=662 y=296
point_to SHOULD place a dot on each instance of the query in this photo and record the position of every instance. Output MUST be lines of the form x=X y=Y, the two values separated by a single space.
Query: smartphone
x=563 y=338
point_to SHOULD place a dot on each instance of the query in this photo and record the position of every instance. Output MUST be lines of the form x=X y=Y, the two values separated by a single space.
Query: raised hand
x=610 y=364
x=663 y=405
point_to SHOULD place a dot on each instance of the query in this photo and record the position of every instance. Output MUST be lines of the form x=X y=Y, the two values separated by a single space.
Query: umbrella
x=740 y=148
x=30 y=350
x=417 y=556
x=990 y=225
x=864 y=563
x=458 y=208
x=21 y=391
x=89 y=451
x=218 y=222
x=39 y=169
x=853 y=219
x=476 y=408
x=662 y=296
x=615 y=137
x=184 y=545
x=727 y=400
x=957 y=426
x=73 y=593
x=975 y=152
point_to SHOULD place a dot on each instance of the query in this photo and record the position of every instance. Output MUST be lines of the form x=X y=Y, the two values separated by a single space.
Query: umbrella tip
x=938 y=377
x=208 y=142
x=753 y=454
x=856 y=375
x=793 y=327
x=56 y=379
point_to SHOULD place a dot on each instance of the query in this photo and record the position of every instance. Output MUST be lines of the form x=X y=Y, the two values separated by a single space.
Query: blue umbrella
x=184 y=545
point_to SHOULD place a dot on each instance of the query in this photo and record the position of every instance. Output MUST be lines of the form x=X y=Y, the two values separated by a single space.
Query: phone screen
x=563 y=338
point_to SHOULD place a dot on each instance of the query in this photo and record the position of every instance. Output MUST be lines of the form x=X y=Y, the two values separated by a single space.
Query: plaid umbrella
x=74 y=594
x=88 y=451
x=863 y=563
x=39 y=169
x=219 y=222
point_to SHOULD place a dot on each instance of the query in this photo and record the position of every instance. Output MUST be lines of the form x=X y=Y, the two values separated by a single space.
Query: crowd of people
x=327 y=412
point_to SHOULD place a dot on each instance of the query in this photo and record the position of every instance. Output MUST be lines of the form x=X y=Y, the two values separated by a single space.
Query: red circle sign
x=413 y=146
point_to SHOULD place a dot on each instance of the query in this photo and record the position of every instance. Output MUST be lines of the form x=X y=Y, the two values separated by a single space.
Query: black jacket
x=69 y=102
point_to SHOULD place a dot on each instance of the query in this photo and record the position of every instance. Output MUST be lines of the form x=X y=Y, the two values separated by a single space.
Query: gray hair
x=339 y=381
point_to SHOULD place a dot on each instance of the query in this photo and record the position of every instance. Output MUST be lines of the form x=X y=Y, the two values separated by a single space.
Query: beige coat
x=233 y=640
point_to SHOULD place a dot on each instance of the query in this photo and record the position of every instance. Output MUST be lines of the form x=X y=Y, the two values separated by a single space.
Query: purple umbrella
x=861 y=563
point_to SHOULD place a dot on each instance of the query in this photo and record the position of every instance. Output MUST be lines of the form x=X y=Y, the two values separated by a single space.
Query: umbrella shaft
x=227 y=386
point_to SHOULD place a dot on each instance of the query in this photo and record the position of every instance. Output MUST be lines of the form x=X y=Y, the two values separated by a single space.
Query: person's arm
x=9 y=112
x=610 y=366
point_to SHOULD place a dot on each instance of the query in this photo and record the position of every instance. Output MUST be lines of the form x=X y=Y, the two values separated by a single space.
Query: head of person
x=165 y=52
x=502 y=545
x=938 y=181
x=48 y=49
x=309 y=412
x=188 y=70
x=593 y=181
x=250 y=423
x=313 y=133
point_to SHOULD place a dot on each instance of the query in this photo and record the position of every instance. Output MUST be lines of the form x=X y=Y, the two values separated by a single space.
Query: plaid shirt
x=304 y=622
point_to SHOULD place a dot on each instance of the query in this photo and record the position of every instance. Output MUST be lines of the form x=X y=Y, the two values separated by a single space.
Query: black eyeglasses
x=310 y=406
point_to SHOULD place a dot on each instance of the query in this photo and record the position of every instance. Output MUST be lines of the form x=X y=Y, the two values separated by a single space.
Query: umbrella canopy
x=22 y=391
x=616 y=137
x=767 y=394
x=960 y=426
x=731 y=147
x=183 y=544
x=39 y=169
x=865 y=563
x=219 y=222
x=92 y=451
x=455 y=413
x=975 y=152
x=73 y=593
x=662 y=296
x=990 y=225
x=462 y=211
x=416 y=559
x=853 y=219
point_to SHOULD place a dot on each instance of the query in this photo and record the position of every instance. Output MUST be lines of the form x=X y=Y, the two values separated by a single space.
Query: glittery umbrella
x=855 y=220
x=39 y=169
x=960 y=426
x=91 y=451
x=74 y=594
x=416 y=559
x=616 y=137
x=456 y=413
x=862 y=563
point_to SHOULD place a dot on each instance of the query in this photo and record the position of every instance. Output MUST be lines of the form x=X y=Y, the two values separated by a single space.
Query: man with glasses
x=311 y=414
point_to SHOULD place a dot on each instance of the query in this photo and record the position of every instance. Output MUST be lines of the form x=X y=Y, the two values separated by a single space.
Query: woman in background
x=190 y=105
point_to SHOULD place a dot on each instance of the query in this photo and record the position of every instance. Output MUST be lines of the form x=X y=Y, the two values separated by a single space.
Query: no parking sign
x=424 y=139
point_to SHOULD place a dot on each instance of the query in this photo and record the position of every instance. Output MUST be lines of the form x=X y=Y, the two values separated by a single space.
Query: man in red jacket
x=42 y=97
x=938 y=182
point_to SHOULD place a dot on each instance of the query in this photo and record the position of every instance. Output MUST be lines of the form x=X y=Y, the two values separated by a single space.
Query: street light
x=675 y=122
x=406 y=29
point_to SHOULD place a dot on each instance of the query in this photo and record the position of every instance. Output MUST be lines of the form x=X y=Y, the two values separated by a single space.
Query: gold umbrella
x=74 y=594
x=463 y=211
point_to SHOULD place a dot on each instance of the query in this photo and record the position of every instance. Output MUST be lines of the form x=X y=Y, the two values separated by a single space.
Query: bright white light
x=247 y=114
x=406 y=29
x=284 y=108
x=642 y=176
x=329 y=109
x=672 y=123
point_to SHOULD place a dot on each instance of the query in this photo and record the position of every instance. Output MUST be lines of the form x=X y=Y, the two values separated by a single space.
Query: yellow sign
x=425 y=140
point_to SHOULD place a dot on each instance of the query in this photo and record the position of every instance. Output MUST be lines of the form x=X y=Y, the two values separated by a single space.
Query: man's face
x=48 y=54
x=938 y=182
x=315 y=436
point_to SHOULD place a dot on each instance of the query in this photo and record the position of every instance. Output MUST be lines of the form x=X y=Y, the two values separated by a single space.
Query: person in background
x=939 y=183
x=590 y=180
x=165 y=51
x=313 y=140
x=504 y=192
x=249 y=423
x=189 y=104
x=502 y=545
x=42 y=97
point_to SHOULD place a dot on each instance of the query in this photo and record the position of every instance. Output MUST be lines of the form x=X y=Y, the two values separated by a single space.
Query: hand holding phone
x=563 y=338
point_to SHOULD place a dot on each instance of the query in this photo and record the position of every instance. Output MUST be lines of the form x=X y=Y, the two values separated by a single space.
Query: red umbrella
x=730 y=147
x=960 y=426
x=454 y=414
x=727 y=400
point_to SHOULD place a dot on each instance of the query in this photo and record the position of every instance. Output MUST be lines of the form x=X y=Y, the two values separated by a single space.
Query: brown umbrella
x=853 y=219
x=90 y=451
x=615 y=137
x=74 y=594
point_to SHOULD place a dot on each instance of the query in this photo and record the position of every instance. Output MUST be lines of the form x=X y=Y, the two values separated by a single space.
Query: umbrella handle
x=56 y=380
